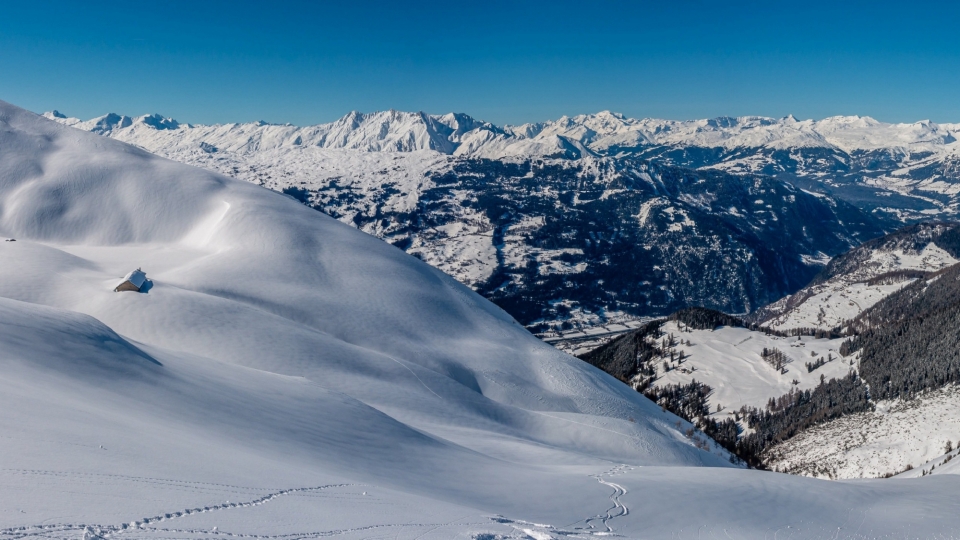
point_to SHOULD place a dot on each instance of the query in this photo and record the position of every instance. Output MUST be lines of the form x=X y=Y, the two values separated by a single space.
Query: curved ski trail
x=618 y=510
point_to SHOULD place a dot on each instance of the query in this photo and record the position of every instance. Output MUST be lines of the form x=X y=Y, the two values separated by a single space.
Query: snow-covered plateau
x=730 y=360
x=286 y=376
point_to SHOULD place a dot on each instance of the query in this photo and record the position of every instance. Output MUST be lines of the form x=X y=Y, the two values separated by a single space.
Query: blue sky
x=505 y=62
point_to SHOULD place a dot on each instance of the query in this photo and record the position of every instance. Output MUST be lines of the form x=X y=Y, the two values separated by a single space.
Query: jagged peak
x=158 y=121
x=396 y=130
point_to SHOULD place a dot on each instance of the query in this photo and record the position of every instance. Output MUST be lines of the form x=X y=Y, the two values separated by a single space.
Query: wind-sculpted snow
x=287 y=376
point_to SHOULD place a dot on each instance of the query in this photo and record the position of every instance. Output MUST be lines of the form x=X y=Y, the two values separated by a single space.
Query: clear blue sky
x=506 y=62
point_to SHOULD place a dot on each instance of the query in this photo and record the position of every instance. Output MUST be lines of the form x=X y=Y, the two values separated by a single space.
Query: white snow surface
x=287 y=376
x=897 y=435
x=729 y=360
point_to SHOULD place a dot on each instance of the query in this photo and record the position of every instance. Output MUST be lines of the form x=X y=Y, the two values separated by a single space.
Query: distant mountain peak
x=600 y=133
x=158 y=121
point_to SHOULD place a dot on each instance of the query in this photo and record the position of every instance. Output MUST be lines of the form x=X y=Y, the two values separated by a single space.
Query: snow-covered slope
x=854 y=282
x=898 y=435
x=287 y=376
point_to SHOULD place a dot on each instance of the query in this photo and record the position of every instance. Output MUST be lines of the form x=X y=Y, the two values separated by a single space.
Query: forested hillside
x=696 y=343
x=910 y=342
x=854 y=281
x=905 y=345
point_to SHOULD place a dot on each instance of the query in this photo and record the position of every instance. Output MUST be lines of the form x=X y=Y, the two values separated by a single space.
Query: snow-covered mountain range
x=557 y=238
x=605 y=133
x=287 y=376
x=902 y=171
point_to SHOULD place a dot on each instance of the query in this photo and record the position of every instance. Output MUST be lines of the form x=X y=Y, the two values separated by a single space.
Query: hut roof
x=137 y=278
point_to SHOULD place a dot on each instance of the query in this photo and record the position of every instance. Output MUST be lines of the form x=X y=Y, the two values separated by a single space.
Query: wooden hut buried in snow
x=132 y=281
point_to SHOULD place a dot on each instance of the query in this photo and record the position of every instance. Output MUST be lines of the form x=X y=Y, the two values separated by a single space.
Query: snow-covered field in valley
x=730 y=361
x=286 y=376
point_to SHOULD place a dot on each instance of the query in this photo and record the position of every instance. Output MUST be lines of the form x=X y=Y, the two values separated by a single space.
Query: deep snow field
x=729 y=360
x=286 y=376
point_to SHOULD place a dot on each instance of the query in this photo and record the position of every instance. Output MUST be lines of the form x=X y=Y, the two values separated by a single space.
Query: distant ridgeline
x=908 y=343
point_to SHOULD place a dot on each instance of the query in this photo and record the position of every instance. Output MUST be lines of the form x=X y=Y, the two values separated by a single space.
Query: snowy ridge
x=459 y=134
x=387 y=131
x=859 y=279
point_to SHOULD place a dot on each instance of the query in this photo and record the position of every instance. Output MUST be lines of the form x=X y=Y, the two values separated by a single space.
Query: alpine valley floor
x=286 y=376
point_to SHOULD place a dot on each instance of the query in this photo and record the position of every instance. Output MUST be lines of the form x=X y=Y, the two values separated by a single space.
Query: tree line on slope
x=788 y=415
x=632 y=358
x=910 y=341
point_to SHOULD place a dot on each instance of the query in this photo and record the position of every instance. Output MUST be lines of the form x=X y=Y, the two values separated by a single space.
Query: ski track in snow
x=94 y=531
x=88 y=531
x=618 y=509
x=85 y=531
x=583 y=528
